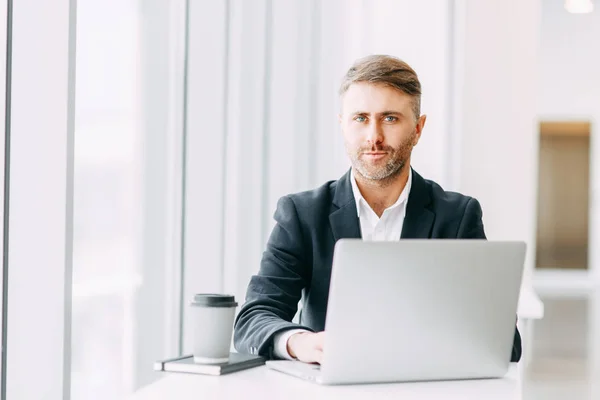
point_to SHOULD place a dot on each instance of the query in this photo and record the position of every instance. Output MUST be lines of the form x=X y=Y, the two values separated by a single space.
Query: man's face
x=379 y=128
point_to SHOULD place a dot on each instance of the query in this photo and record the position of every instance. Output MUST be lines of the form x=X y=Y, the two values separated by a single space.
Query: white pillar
x=40 y=216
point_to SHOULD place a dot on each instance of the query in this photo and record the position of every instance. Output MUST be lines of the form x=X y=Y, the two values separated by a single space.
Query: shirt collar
x=358 y=198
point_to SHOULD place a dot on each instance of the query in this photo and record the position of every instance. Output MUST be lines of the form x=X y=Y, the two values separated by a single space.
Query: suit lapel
x=419 y=218
x=417 y=222
x=344 y=221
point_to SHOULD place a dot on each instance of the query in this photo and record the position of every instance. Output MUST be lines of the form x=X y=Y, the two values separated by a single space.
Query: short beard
x=387 y=173
x=382 y=177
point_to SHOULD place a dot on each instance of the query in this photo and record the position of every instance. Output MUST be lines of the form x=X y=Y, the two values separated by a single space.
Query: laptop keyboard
x=308 y=371
x=302 y=370
x=297 y=368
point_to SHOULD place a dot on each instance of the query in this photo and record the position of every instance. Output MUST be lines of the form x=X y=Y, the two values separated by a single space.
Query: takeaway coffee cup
x=212 y=324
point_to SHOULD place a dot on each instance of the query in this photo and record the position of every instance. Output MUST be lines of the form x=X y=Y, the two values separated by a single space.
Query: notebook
x=237 y=362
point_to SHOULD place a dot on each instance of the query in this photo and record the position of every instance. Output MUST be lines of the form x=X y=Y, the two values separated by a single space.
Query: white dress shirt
x=372 y=227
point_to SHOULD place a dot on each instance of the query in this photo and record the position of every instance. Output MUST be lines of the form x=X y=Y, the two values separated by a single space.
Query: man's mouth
x=374 y=155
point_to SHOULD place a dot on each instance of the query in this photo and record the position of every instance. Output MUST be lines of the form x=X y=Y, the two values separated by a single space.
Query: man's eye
x=389 y=118
x=360 y=118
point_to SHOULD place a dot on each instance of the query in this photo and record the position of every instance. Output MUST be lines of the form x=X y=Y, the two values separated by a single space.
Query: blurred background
x=194 y=117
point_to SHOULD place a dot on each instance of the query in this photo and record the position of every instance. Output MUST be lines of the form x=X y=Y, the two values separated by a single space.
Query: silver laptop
x=418 y=310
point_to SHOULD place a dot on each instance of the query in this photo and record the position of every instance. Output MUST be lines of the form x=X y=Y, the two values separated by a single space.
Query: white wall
x=568 y=88
x=569 y=82
x=496 y=159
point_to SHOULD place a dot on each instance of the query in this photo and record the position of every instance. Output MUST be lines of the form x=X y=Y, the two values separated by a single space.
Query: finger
x=319 y=356
x=320 y=340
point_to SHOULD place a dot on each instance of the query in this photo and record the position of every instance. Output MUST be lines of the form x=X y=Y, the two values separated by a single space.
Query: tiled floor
x=565 y=363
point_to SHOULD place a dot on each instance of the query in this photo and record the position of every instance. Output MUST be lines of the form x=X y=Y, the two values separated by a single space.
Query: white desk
x=264 y=384
x=530 y=309
x=530 y=305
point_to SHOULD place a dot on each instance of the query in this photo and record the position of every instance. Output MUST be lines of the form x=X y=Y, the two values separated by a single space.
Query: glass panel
x=122 y=292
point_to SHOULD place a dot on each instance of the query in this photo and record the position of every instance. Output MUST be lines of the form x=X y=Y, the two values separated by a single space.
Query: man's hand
x=306 y=346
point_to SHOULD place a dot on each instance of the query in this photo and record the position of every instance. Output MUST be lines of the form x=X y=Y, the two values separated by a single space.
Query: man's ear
x=419 y=128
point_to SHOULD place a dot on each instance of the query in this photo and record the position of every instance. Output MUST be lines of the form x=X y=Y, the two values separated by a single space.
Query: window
x=126 y=191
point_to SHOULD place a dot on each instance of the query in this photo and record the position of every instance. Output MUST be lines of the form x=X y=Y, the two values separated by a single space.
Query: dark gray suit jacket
x=297 y=261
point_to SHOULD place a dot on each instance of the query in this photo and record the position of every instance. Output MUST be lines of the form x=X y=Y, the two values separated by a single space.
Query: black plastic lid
x=214 y=300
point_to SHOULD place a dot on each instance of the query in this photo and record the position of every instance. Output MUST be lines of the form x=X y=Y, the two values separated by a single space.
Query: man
x=380 y=198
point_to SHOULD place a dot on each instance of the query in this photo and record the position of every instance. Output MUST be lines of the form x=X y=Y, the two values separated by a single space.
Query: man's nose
x=375 y=133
